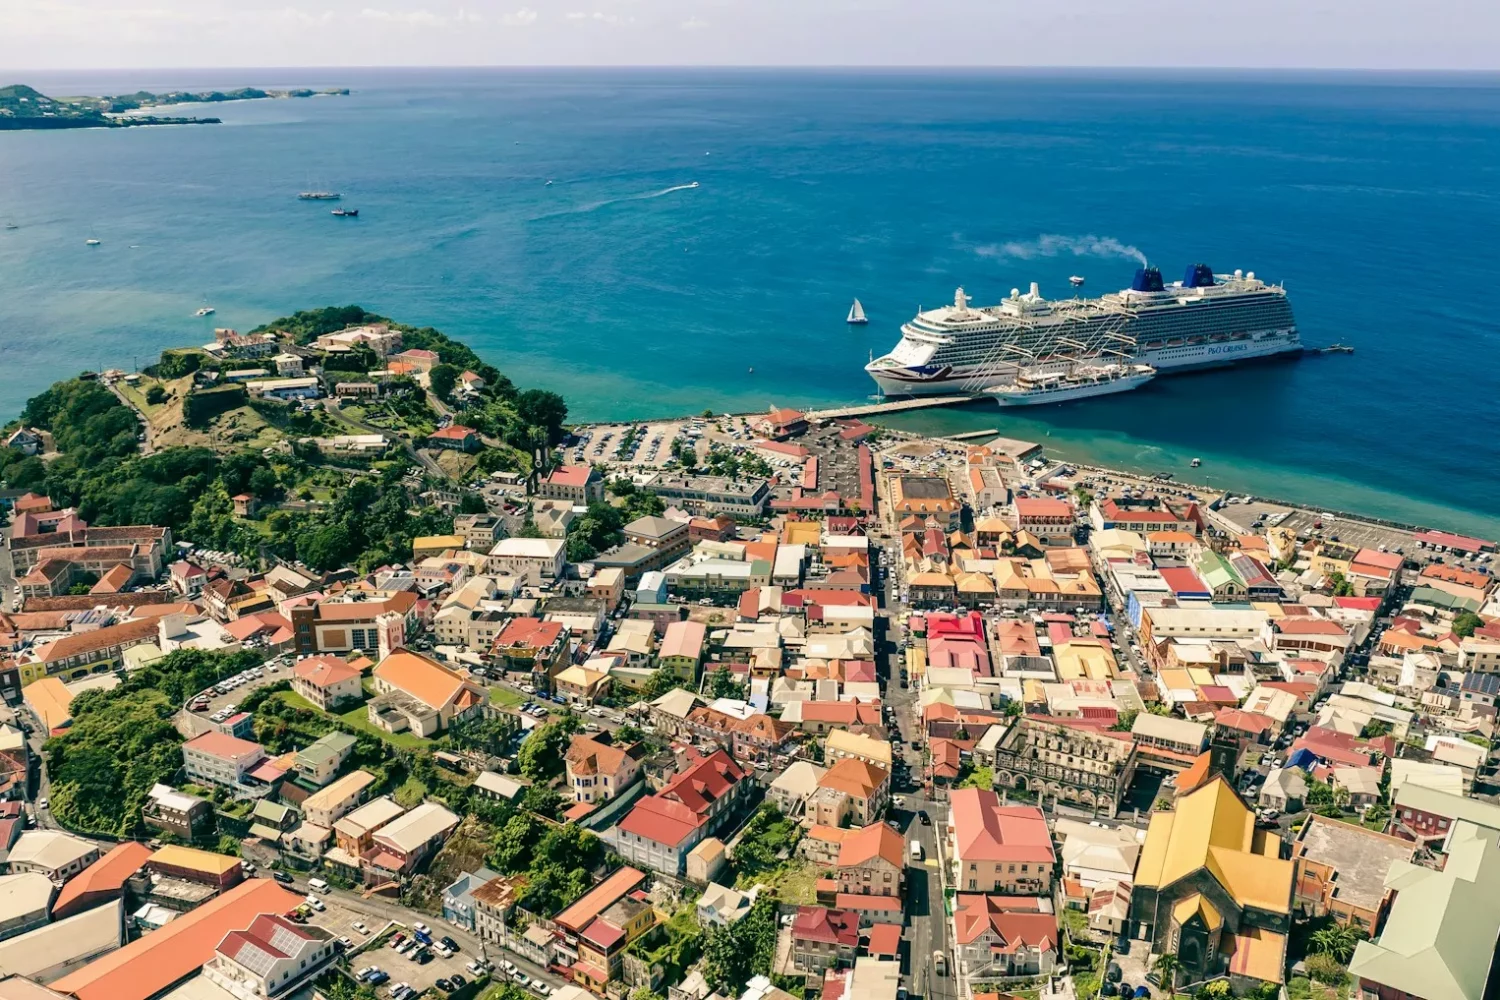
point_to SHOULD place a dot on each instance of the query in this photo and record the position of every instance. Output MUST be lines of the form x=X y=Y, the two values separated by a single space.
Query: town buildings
x=1071 y=761
x=999 y=849
x=1211 y=886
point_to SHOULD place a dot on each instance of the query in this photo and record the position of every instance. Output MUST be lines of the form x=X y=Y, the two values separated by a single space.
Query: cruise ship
x=1205 y=320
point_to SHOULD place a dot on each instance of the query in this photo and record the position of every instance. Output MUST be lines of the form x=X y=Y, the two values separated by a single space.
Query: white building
x=533 y=559
x=55 y=855
x=269 y=957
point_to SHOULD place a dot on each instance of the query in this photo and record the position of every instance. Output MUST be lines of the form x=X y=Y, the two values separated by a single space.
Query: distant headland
x=23 y=107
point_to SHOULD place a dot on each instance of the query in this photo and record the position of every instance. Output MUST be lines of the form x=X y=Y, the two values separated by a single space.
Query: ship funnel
x=1036 y=290
x=1198 y=276
x=960 y=300
x=1147 y=279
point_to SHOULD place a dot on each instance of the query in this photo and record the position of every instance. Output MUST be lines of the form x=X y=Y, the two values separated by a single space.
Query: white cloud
x=421 y=17
x=577 y=15
x=693 y=24
x=520 y=19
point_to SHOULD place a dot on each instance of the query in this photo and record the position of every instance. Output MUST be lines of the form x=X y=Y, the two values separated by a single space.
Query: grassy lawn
x=455 y=464
x=243 y=426
x=295 y=700
x=410 y=794
x=358 y=719
x=505 y=697
x=793 y=882
x=137 y=396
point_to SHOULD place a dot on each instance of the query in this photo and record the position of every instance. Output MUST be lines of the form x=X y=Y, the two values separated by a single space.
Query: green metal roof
x=330 y=745
x=1217 y=572
x=1439 y=939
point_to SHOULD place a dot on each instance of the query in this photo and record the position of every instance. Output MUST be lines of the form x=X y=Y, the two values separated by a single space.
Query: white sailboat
x=856 y=315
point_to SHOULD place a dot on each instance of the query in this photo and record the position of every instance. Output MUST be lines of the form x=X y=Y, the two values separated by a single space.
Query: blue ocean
x=1375 y=199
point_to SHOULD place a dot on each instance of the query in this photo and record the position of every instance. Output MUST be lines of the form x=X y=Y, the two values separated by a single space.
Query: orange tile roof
x=114 y=580
x=80 y=643
x=149 y=965
x=874 y=841
x=324 y=671
x=587 y=755
x=453 y=432
x=604 y=895
x=362 y=610
x=854 y=777
x=108 y=874
x=431 y=683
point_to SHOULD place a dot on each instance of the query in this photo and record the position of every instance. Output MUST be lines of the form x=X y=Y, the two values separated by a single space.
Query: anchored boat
x=1037 y=386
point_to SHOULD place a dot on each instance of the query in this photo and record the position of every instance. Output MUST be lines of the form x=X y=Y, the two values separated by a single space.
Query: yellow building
x=49 y=699
x=1211 y=887
x=809 y=533
x=434 y=545
x=1084 y=659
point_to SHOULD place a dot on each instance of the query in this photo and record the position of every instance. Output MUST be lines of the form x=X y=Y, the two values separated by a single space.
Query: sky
x=1333 y=34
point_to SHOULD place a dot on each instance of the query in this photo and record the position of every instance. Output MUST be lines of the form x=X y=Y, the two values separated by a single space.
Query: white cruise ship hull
x=950 y=380
x=1073 y=393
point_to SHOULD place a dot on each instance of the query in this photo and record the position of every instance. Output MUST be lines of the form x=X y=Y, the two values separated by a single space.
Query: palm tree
x=1336 y=941
x=1166 y=966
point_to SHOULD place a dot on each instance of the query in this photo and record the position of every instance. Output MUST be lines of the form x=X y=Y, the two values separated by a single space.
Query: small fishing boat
x=1196 y=462
x=205 y=311
x=90 y=243
x=1076 y=280
x=346 y=213
x=856 y=315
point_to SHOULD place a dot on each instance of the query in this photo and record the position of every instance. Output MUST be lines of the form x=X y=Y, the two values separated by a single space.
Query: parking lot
x=838 y=460
x=646 y=445
x=1347 y=531
x=381 y=936
x=223 y=704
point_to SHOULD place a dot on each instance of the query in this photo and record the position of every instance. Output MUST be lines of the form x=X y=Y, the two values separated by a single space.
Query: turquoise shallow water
x=1374 y=198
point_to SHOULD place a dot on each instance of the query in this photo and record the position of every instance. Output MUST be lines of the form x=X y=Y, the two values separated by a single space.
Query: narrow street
x=928 y=924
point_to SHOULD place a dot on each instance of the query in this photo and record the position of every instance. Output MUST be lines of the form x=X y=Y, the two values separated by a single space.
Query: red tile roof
x=1029 y=507
x=987 y=831
x=1249 y=722
x=571 y=475
x=977 y=914
x=683 y=805
x=1460 y=542
x=225 y=746
x=825 y=926
x=1308 y=626
x=528 y=633
x=885 y=939
x=453 y=432
x=1183 y=580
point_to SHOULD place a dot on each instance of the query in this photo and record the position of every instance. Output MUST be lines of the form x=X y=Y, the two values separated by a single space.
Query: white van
x=916 y=850
x=317 y=884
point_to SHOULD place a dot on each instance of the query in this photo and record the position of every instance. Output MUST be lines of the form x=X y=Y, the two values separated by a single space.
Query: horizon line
x=779 y=67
